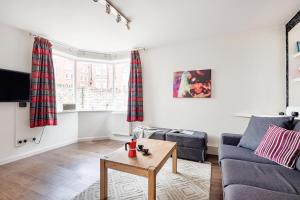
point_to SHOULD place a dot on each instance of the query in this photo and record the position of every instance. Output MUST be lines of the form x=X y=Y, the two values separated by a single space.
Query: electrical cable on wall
x=42 y=134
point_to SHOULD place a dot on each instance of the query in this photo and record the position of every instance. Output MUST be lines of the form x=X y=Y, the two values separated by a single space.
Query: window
x=64 y=81
x=102 y=86
x=94 y=86
x=121 y=77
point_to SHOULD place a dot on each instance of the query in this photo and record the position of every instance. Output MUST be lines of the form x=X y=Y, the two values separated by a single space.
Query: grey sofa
x=246 y=176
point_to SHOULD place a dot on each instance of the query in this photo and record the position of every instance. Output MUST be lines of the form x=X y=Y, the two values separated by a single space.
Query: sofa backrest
x=296 y=127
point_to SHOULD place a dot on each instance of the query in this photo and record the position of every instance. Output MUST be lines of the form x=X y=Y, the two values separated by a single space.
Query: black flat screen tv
x=14 y=86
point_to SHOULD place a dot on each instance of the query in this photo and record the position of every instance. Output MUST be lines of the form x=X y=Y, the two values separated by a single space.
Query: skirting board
x=89 y=139
x=35 y=152
x=212 y=150
x=122 y=138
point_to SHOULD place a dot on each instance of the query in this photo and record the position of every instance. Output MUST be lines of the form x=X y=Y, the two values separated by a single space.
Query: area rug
x=192 y=182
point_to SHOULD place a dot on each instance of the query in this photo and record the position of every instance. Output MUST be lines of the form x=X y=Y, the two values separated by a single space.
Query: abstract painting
x=192 y=84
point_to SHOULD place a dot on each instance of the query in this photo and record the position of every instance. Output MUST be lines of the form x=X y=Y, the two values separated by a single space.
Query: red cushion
x=280 y=145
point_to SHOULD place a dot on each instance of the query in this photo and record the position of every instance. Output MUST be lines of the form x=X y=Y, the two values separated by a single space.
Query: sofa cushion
x=230 y=139
x=280 y=145
x=240 y=153
x=297 y=128
x=296 y=125
x=257 y=128
x=298 y=164
x=245 y=192
x=266 y=176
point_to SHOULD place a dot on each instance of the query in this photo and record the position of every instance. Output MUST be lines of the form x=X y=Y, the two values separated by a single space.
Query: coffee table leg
x=151 y=184
x=103 y=180
x=174 y=159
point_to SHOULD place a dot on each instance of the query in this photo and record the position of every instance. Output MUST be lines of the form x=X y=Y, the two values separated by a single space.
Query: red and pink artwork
x=192 y=84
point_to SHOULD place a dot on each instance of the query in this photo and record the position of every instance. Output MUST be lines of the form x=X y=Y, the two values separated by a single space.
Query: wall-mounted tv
x=14 y=86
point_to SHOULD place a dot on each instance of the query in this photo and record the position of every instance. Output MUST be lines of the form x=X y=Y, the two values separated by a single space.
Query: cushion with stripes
x=280 y=145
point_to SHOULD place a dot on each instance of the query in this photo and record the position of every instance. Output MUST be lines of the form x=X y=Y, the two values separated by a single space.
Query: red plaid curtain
x=42 y=99
x=135 y=94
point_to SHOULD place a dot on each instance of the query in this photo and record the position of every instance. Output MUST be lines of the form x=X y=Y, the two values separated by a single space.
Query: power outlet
x=19 y=143
x=24 y=141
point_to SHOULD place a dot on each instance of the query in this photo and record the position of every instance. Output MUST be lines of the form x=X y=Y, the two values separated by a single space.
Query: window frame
x=97 y=61
x=120 y=62
x=70 y=57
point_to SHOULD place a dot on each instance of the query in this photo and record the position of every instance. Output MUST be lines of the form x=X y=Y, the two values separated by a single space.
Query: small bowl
x=146 y=151
x=140 y=147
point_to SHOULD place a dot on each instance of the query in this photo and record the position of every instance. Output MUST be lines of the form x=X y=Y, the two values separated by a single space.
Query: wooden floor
x=65 y=172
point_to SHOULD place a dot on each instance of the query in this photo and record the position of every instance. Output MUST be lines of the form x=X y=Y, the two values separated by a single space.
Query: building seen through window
x=96 y=85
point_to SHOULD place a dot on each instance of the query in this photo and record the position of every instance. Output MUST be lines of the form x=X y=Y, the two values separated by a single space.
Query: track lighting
x=118 y=19
x=111 y=9
x=107 y=8
x=127 y=26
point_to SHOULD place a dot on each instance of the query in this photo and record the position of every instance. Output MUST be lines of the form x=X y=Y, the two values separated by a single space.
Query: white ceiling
x=85 y=25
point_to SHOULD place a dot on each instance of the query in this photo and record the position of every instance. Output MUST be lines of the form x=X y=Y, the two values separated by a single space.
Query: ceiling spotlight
x=118 y=19
x=111 y=9
x=107 y=8
x=127 y=25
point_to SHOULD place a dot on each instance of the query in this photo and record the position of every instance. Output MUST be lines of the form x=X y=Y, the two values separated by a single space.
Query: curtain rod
x=54 y=42
x=71 y=48
x=129 y=50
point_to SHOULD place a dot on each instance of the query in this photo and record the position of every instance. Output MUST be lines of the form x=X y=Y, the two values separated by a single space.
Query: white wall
x=248 y=75
x=93 y=125
x=15 y=54
x=102 y=125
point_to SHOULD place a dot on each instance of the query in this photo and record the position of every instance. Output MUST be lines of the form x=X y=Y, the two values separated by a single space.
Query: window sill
x=83 y=111
x=112 y=111
x=119 y=112
x=94 y=111
x=65 y=112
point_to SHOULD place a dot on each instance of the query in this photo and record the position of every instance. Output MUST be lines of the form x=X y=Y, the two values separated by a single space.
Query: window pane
x=64 y=81
x=121 y=76
x=94 y=86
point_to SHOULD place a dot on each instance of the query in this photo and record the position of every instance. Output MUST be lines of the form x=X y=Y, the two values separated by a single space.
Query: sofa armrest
x=230 y=139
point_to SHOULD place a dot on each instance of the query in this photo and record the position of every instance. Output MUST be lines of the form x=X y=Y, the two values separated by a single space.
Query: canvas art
x=192 y=84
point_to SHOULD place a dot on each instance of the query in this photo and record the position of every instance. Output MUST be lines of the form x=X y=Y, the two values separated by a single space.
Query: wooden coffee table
x=147 y=166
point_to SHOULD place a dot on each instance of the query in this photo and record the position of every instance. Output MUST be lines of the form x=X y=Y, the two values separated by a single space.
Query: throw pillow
x=257 y=128
x=281 y=146
x=297 y=128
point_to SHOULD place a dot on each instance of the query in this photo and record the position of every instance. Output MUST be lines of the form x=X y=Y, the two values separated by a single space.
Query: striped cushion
x=280 y=145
